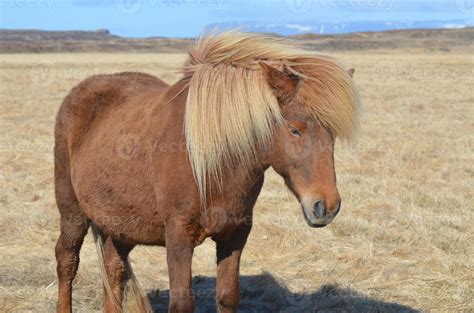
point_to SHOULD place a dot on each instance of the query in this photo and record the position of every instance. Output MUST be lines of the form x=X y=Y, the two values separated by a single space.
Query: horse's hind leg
x=73 y=228
x=116 y=265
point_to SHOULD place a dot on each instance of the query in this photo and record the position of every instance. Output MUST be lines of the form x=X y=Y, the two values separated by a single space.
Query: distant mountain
x=40 y=41
x=289 y=28
x=37 y=41
x=38 y=35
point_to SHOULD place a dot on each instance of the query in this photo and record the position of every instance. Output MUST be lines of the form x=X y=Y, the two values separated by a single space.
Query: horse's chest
x=220 y=221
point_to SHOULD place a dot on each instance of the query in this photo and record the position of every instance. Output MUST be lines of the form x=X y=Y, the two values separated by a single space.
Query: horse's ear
x=351 y=72
x=283 y=83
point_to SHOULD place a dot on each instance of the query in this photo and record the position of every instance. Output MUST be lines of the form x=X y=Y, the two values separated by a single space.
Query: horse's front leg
x=228 y=262
x=179 y=253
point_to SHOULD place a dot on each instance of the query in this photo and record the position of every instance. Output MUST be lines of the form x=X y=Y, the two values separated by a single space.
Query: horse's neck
x=238 y=179
x=239 y=186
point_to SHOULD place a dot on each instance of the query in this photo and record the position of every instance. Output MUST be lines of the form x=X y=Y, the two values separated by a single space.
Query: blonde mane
x=230 y=109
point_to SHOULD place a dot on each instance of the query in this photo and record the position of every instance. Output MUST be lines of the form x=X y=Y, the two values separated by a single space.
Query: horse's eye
x=295 y=132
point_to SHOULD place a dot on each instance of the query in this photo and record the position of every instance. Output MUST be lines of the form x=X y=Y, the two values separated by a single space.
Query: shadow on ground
x=262 y=293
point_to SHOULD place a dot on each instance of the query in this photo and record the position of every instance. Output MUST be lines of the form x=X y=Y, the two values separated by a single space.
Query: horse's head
x=303 y=150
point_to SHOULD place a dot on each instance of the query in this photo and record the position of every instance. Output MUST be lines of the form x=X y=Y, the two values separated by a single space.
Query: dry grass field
x=402 y=242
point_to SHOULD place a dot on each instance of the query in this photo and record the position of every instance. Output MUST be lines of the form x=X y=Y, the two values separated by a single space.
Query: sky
x=187 y=18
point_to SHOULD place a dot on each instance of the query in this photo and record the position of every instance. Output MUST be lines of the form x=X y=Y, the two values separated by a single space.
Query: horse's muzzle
x=317 y=215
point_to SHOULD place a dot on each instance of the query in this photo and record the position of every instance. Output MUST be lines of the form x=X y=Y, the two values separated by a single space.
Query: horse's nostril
x=319 y=209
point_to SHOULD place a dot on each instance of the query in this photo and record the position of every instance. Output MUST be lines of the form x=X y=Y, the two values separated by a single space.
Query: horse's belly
x=129 y=225
x=118 y=197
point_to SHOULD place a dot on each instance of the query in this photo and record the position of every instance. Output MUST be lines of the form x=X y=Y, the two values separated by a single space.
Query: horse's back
x=96 y=94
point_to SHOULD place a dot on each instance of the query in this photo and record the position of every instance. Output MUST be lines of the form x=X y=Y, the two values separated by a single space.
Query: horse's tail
x=140 y=303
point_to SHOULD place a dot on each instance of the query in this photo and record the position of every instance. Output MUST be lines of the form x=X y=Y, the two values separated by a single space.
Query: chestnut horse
x=152 y=164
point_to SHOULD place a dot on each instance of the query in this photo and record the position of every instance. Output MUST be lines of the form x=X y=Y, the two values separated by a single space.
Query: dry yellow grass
x=402 y=240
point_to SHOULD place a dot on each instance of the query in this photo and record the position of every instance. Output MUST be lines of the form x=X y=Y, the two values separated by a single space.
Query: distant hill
x=39 y=41
x=36 y=41
x=425 y=39
x=41 y=35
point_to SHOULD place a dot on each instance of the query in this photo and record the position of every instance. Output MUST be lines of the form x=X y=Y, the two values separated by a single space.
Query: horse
x=147 y=163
